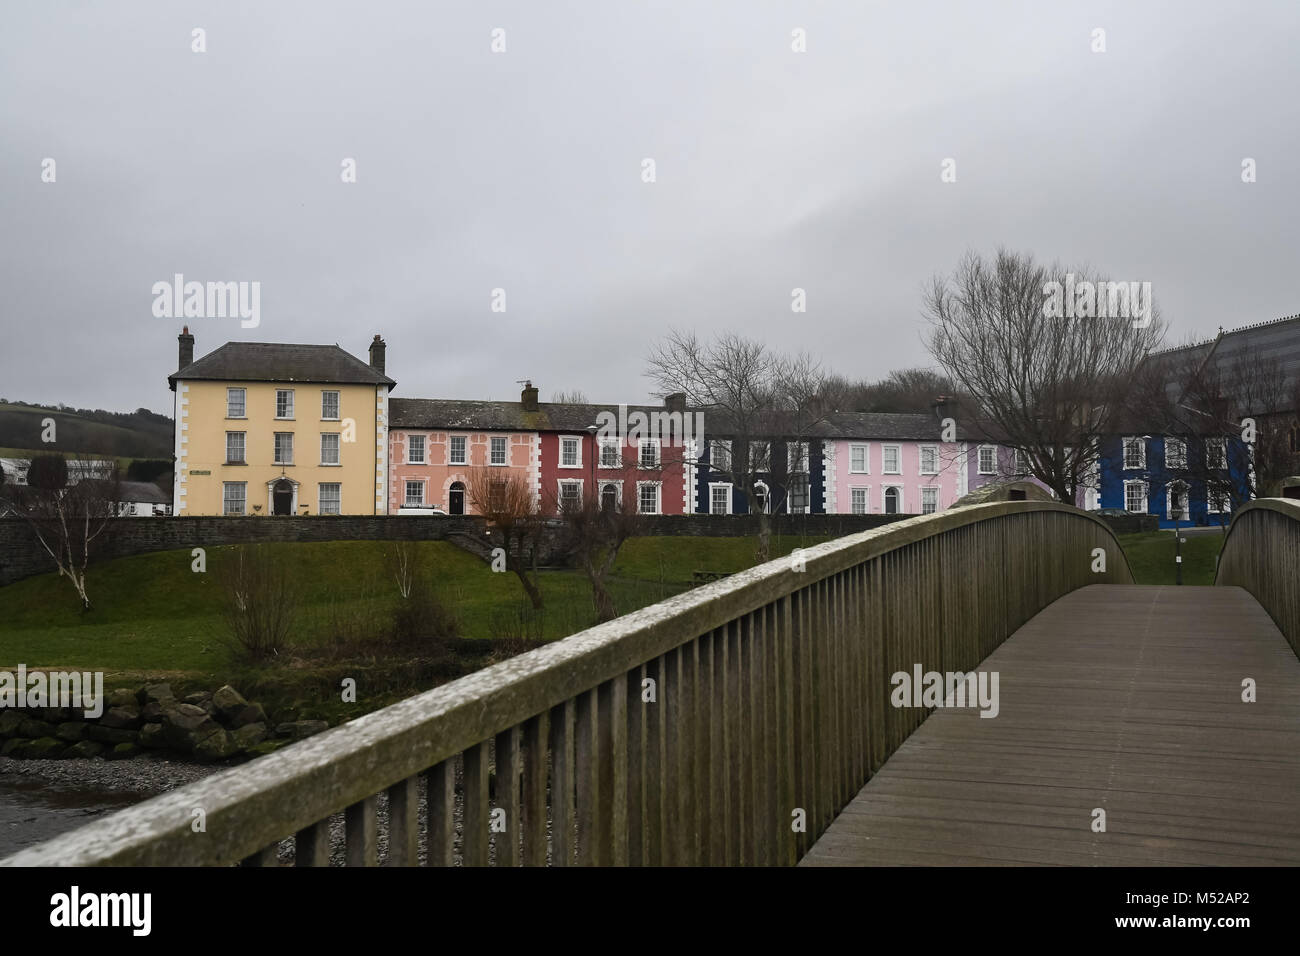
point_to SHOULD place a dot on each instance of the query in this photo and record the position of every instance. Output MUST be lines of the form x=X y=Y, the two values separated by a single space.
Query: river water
x=33 y=809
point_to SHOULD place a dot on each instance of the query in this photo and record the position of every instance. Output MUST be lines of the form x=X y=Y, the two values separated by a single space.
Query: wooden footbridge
x=768 y=719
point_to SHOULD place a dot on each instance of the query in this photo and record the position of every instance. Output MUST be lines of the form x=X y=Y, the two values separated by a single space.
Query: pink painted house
x=891 y=464
x=434 y=445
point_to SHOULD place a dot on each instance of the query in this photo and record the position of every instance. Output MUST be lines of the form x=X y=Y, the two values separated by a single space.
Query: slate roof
x=553 y=417
x=274 y=362
x=1278 y=339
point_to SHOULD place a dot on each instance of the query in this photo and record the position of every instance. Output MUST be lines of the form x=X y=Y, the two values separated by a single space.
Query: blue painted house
x=1205 y=478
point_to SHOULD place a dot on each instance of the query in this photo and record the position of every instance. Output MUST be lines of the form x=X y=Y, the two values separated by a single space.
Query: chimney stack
x=940 y=407
x=377 y=349
x=187 y=347
x=528 y=397
x=676 y=402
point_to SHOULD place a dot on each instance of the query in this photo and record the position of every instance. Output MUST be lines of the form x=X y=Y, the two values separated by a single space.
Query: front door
x=456 y=499
x=282 y=498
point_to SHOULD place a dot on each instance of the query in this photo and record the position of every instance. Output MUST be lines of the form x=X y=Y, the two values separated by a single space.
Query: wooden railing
x=701 y=730
x=1262 y=555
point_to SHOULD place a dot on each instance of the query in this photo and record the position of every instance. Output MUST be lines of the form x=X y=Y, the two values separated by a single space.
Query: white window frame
x=866 y=458
x=505 y=451
x=1021 y=463
x=884 y=460
x=424 y=450
x=920 y=459
x=720 y=462
x=1173 y=441
x=937 y=500
x=320 y=497
x=243 y=486
x=640 y=453
x=559 y=491
x=577 y=440
x=1216 y=498
x=884 y=492
x=763 y=457
x=292 y=406
x=796 y=452
x=979 y=459
x=1146 y=497
x=1222 y=455
x=610 y=444
x=338 y=405
x=789 y=493
x=243 y=442
x=243 y=401
x=866 y=499
x=338 y=448
x=659 y=504
x=1169 y=499
x=767 y=497
x=714 y=486
x=451 y=444
x=407 y=500
x=1142 y=454
x=275 y=448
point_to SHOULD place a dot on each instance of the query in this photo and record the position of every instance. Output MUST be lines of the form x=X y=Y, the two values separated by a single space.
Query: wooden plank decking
x=1119 y=697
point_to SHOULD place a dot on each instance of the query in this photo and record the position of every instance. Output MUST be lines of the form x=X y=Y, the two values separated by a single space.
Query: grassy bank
x=1151 y=556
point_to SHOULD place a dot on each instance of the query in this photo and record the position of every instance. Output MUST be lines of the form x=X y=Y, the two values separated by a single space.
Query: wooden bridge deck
x=1118 y=697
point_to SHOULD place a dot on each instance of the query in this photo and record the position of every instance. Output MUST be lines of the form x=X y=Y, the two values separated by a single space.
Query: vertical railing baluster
x=311 y=844
x=587 y=769
x=505 y=841
x=719 y=801
x=536 y=750
x=361 y=833
x=563 y=819
x=440 y=813
x=404 y=823
x=612 y=770
x=475 y=835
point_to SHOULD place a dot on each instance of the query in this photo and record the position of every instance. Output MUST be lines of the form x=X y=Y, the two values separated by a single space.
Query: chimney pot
x=186 y=347
x=377 y=349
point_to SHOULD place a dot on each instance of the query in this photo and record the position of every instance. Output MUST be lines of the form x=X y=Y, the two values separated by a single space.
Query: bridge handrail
x=1261 y=554
x=759 y=712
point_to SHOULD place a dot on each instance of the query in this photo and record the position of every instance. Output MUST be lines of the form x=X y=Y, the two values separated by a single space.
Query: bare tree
x=69 y=519
x=260 y=600
x=403 y=559
x=1045 y=384
x=572 y=397
x=906 y=390
x=514 y=512
x=596 y=529
x=757 y=399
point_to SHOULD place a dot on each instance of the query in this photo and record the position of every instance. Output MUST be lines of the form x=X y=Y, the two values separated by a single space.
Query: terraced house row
x=274 y=429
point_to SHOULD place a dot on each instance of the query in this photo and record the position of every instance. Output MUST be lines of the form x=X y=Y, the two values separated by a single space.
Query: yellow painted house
x=270 y=429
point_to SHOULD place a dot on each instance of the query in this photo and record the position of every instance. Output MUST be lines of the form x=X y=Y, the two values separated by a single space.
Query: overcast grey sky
x=522 y=170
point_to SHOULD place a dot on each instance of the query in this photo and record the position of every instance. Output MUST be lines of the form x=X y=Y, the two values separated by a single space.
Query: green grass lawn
x=1151 y=556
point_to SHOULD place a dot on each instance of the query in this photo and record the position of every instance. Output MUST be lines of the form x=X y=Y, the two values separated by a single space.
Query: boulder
x=249 y=735
x=13 y=746
x=185 y=726
x=216 y=746
x=155 y=693
x=112 y=735
x=266 y=747
x=123 y=698
x=298 y=729
x=248 y=714
x=152 y=735
x=10 y=721
x=151 y=713
x=125 y=718
x=72 y=731
x=199 y=698
x=228 y=702
x=46 y=748
x=57 y=715
x=35 y=728
x=86 y=749
x=123 y=751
